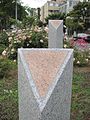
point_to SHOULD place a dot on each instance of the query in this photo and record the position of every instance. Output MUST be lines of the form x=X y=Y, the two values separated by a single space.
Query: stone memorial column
x=44 y=83
x=55 y=35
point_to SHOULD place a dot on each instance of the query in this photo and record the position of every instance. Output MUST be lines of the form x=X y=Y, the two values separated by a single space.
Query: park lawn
x=80 y=108
x=9 y=94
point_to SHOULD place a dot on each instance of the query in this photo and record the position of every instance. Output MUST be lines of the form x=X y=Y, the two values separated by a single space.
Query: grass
x=9 y=94
x=80 y=109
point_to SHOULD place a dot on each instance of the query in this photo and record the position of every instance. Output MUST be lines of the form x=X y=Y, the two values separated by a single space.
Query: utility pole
x=16 y=10
x=38 y=9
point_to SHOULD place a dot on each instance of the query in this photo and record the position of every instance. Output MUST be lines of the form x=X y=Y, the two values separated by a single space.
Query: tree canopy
x=7 y=11
x=56 y=16
x=79 y=16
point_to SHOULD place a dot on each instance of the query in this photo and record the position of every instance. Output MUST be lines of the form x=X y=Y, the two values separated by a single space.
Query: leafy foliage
x=5 y=66
x=55 y=16
x=4 y=38
x=7 y=11
x=27 y=38
x=28 y=21
x=2 y=48
x=79 y=17
x=37 y=40
x=81 y=57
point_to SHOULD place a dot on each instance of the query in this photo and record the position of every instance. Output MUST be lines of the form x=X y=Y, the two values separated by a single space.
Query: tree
x=81 y=15
x=28 y=21
x=56 y=16
x=7 y=11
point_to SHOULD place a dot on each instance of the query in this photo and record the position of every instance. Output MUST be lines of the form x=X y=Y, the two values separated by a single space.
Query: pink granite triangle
x=44 y=66
x=55 y=23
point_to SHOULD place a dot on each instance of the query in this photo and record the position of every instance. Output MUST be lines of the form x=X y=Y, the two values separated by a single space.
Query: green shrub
x=37 y=40
x=66 y=44
x=26 y=38
x=81 y=57
x=4 y=67
x=28 y=21
x=4 y=38
x=2 y=48
x=12 y=51
x=39 y=23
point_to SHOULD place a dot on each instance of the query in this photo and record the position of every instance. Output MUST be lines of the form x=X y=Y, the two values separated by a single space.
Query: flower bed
x=26 y=38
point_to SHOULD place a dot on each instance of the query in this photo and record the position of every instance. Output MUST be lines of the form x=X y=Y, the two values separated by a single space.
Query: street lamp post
x=16 y=10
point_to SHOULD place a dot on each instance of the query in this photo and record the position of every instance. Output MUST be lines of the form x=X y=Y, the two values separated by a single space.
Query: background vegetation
x=79 y=18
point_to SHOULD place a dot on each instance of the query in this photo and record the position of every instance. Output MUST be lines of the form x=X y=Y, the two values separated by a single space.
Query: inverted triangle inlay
x=55 y=23
x=44 y=66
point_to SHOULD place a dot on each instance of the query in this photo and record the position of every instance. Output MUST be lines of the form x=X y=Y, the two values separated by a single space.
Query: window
x=51 y=4
x=53 y=0
x=56 y=5
x=70 y=3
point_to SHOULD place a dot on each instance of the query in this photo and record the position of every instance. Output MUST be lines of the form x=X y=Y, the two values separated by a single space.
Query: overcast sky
x=34 y=3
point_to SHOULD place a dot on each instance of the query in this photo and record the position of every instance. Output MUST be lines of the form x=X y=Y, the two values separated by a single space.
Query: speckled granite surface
x=44 y=83
x=44 y=66
x=55 y=23
x=55 y=35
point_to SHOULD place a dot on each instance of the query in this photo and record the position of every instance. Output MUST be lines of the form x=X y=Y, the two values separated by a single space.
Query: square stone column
x=55 y=35
x=45 y=83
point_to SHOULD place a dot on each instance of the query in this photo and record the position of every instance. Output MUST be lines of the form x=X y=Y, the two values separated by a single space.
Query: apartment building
x=53 y=6
x=56 y=6
x=71 y=3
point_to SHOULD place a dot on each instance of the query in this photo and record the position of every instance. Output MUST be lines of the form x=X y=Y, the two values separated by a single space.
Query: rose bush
x=26 y=38
x=81 y=51
x=36 y=37
x=81 y=57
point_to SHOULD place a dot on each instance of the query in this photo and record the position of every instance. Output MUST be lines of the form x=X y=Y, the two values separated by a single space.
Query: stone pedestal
x=55 y=36
x=45 y=83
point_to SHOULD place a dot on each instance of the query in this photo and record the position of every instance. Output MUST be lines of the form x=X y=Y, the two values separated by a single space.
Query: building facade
x=70 y=4
x=56 y=6
x=53 y=6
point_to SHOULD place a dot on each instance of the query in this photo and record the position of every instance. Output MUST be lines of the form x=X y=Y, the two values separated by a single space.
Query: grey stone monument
x=45 y=83
x=55 y=35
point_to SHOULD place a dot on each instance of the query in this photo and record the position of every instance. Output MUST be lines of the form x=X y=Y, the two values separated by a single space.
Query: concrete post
x=44 y=83
x=55 y=36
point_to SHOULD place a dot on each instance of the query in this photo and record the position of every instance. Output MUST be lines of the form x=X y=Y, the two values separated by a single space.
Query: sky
x=34 y=3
